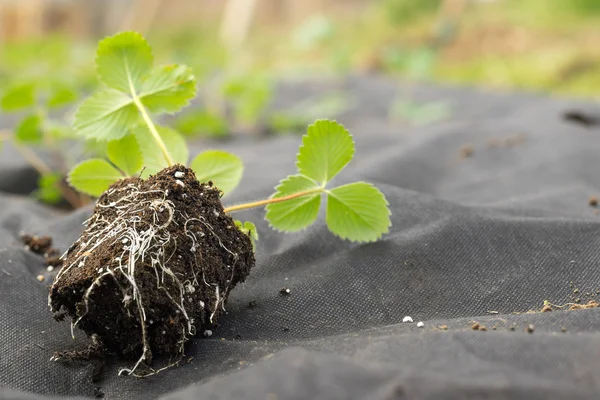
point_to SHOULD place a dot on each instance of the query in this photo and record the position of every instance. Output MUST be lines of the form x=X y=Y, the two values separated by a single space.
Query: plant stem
x=272 y=200
x=148 y=121
x=42 y=168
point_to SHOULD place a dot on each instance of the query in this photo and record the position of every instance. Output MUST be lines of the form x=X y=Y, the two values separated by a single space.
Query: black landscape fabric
x=491 y=217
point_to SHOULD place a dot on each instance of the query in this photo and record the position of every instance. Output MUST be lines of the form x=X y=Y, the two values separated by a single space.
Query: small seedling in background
x=167 y=239
x=294 y=119
x=37 y=130
x=418 y=66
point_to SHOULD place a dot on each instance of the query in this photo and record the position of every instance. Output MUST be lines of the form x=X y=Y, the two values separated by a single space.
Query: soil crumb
x=467 y=151
x=593 y=201
x=581 y=118
x=154 y=267
x=37 y=244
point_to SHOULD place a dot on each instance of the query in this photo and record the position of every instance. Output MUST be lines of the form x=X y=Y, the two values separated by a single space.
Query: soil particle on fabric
x=515 y=140
x=530 y=328
x=37 y=244
x=285 y=291
x=581 y=118
x=475 y=326
x=467 y=151
x=154 y=267
x=593 y=201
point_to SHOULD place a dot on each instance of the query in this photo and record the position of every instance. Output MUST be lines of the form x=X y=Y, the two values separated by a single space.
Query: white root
x=140 y=246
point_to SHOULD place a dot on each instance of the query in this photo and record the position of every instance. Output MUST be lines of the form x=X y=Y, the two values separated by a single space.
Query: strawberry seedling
x=160 y=254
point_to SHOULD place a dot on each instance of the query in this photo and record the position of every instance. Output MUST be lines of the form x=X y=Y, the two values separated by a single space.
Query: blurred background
x=548 y=45
x=239 y=49
x=245 y=53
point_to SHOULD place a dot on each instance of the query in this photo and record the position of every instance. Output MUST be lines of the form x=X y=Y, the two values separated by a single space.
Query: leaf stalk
x=149 y=123
x=272 y=200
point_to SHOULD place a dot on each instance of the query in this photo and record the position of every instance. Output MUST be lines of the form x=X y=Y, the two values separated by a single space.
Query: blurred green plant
x=37 y=130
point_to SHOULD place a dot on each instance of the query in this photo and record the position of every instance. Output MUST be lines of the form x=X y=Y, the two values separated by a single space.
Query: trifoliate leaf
x=357 y=212
x=18 y=97
x=326 y=149
x=168 y=88
x=106 y=115
x=152 y=155
x=123 y=60
x=296 y=214
x=61 y=95
x=48 y=189
x=125 y=154
x=29 y=130
x=93 y=176
x=224 y=169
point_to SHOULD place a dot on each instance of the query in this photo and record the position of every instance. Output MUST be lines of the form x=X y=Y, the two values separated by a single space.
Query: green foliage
x=61 y=95
x=326 y=150
x=419 y=113
x=202 y=123
x=29 y=130
x=220 y=167
x=48 y=188
x=125 y=154
x=249 y=229
x=168 y=89
x=106 y=115
x=358 y=211
x=93 y=176
x=18 y=97
x=123 y=61
x=248 y=96
x=119 y=113
x=297 y=117
x=402 y=11
x=154 y=160
x=298 y=213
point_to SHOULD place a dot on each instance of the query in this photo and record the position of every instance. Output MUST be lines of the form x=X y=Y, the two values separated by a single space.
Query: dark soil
x=581 y=118
x=37 y=244
x=154 y=266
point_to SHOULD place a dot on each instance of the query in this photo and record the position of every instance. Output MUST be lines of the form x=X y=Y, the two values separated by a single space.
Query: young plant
x=121 y=114
x=36 y=130
x=160 y=255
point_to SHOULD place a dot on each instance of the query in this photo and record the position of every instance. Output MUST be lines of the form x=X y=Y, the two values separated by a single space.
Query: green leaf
x=224 y=169
x=154 y=160
x=358 y=212
x=93 y=176
x=125 y=154
x=201 y=122
x=18 y=97
x=106 y=115
x=326 y=149
x=61 y=95
x=248 y=228
x=168 y=88
x=58 y=130
x=29 y=129
x=123 y=60
x=48 y=188
x=296 y=214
